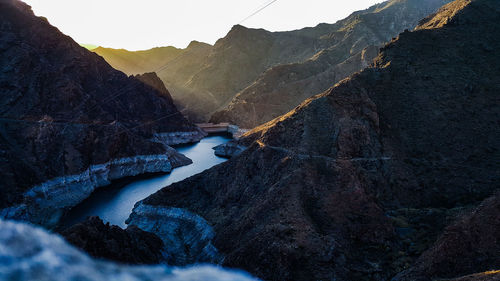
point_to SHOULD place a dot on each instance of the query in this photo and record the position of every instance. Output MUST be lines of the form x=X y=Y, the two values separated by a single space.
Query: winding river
x=114 y=204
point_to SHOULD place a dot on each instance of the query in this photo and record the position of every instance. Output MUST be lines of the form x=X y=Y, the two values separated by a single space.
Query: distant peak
x=195 y=43
x=238 y=28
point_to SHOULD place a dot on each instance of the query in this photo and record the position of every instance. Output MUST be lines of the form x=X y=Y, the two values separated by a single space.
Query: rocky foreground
x=131 y=245
x=70 y=123
x=28 y=253
x=380 y=177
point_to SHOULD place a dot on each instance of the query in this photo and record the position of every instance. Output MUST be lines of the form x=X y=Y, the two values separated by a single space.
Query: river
x=114 y=204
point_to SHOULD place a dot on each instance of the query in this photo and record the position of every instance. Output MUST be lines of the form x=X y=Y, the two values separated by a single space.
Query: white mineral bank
x=45 y=203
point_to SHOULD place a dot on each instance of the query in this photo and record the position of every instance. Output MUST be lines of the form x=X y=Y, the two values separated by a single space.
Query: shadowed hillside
x=70 y=123
x=356 y=183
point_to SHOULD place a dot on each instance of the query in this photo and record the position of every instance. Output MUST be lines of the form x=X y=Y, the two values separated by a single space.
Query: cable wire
x=258 y=11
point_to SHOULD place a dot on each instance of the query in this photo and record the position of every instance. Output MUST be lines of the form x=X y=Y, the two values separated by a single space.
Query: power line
x=121 y=91
x=258 y=11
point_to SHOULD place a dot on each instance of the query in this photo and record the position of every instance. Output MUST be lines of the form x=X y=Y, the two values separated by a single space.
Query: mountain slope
x=468 y=245
x=138 y=62
x=356 y=183
x=69 y=122
x=354 y=44
x=285 y=64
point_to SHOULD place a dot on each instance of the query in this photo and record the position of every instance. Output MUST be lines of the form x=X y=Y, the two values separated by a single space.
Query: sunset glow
x=145 y=24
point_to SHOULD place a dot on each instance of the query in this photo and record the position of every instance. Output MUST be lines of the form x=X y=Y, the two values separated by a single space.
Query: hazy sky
x=143 y=24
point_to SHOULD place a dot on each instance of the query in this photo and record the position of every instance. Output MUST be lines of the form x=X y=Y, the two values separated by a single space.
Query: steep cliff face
x=69 y=122
x=351 y=45
x=32 y=254
x=355 y=183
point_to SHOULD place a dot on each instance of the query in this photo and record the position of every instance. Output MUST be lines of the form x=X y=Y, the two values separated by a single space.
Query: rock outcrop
x=151 y=79
x=131 y=245
x=229 y=149
x=187 y=236
x=31 y=254
x=356 y=183
x=69 y=122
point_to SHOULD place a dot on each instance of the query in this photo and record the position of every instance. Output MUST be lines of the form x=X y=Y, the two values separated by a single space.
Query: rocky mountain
x=32 y=254
x=263 y=74
x=283 y=87
x=352 y=45
x=358 y=182
x=70 y=123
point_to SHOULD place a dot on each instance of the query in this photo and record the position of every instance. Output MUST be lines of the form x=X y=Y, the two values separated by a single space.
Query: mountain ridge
x=357 y=182
x=280 y=89
x=68 y=119
x=218 y=78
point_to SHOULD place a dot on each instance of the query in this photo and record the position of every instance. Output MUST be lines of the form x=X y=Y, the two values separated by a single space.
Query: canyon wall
x=358 y=182
x=69 y=122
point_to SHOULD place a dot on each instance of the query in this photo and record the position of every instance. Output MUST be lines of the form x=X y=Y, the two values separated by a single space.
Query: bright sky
x=143 y=24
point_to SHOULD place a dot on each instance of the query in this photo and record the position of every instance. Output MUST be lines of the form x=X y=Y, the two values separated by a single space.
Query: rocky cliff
x=356 y=183
x=31 y=254
x=69 y=122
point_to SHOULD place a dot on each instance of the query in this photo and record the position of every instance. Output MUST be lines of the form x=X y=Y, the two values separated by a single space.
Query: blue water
x=114 y=205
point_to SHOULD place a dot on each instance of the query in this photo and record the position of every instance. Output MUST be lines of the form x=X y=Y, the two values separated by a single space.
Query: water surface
x=114 y=204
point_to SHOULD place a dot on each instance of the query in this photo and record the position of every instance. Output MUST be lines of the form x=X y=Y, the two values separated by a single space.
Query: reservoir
x=114 y=204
